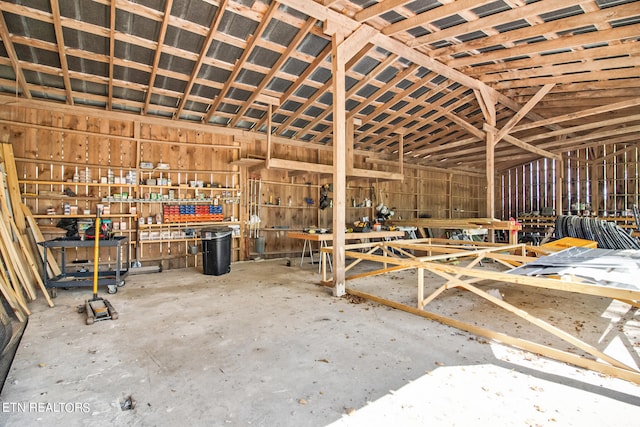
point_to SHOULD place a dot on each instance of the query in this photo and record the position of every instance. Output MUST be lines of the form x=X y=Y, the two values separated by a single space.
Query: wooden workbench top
x=317 y=237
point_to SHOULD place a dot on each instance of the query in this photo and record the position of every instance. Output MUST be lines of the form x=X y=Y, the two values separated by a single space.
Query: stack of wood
x=20 y=255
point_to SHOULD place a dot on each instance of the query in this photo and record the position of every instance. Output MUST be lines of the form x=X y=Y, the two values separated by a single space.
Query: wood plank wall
x=51 y=148
x=50 y=144
x=602 y=180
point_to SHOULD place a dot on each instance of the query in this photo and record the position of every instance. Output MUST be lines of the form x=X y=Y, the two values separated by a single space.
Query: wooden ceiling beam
x=401 y=75
x=447 y=9
x=523 y=112
x=630 y=47
x=251 y=44
x=523 y=12
x=525 y=146
x=587 y=126
x=622 y=73
x=378 y=9
x=487 y=102
x=21 y=82
x=302 y=33
x=327 y=87
x=385 y=108
x=564 y=71
x=61 y=50
x=551 y=27
x=213 y=29
x=156 y=59
x=402 y=124
x=361 y=83
x=112 y=46
x=471 y=114
x=579 y=114
x=323 y=13
x=578 y=40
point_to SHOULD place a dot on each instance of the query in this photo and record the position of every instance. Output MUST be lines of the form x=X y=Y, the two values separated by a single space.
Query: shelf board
x=80 y=216
x=179 y=240
x=290 y=207
x=174 y=201
x=60 y=197
x=188 y=224
x=188 y=171
x=75 y=184
x=186 y=187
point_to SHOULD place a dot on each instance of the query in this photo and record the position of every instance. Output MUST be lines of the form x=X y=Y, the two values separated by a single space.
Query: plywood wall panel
x=187 y=151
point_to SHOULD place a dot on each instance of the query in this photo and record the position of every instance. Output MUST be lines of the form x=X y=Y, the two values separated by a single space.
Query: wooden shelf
x=183 y=240
x=290 y=207
x=75 y=184
x=80 y=216
x=188 y=224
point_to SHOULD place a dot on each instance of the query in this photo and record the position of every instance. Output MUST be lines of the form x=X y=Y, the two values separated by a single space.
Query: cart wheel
x=122 y=283
x=53 y=292
x=112 y=289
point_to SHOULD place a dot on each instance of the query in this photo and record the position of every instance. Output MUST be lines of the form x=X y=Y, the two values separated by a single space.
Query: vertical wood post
x=559 y=185
x=349 y=141
x=491 y=181
x=339 y=164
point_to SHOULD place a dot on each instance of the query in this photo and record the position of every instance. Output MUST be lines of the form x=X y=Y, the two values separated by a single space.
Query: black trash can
x=216 y=250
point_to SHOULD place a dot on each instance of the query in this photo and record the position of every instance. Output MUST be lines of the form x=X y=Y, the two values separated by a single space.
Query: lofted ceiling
x=553 y=75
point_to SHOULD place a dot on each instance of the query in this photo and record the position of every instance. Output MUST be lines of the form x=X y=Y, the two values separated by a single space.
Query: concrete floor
x=266 y=346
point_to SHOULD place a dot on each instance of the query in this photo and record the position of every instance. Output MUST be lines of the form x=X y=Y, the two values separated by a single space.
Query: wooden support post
x=559 y=185
x=338 y=62
x=449 y=195
x=490 y=166
x=401 y=152
x=491 y=179
x=420 y=287
x=269 y=135
x=349 y=137
x=595 y=185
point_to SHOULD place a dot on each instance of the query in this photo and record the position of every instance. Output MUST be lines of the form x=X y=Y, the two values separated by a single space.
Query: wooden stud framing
x=464 y=277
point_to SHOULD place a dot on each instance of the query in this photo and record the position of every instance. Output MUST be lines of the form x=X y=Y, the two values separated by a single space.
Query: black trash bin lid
x=215 y=232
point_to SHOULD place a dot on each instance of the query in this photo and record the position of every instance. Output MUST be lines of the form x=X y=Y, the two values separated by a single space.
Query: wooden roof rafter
x=313 y=98
x=351 y=92
x=112 y=46
x=406 y=73
x=428 y=107
x=55 y=12
x=275 y=69
x=251 y=44
x=424 y=19
x=158 y=52
x=527 y=11
x=518 y=36
x=13 y=57
x=213 y=28
x=588 y=49
x=400 y=96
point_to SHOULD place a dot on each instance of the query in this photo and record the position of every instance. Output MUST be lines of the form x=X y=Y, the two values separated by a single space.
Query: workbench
x=511 y=227
x=323 y=238
x=112 y=278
